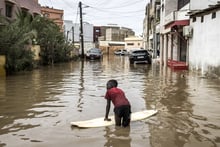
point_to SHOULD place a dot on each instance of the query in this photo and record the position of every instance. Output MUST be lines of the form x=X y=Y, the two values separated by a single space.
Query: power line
x=120 y=6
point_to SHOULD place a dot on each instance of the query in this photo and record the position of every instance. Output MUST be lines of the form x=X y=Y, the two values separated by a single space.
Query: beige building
x=54 y=14
x=133 y=43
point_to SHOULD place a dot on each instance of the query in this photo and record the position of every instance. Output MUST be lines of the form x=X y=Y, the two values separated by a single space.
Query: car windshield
x=94 y=51
x=140 y=52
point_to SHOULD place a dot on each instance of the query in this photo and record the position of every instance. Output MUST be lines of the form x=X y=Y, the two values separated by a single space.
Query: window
x=213 y=15
x=130 y=43
x=8 y=9
x=24 y=11
x=202 y=18
x=46 y=15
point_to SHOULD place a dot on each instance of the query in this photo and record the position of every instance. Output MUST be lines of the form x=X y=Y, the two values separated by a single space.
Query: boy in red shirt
x=122 y=108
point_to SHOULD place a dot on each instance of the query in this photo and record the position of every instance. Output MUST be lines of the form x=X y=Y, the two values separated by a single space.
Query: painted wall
x=133 y=42
x=204 y=46
x=2 y=65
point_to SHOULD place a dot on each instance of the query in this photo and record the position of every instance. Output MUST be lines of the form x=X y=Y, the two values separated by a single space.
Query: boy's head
x=111 y=83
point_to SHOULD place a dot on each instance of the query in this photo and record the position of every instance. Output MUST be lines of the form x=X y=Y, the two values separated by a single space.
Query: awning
x=177 y=23
x=115 y=43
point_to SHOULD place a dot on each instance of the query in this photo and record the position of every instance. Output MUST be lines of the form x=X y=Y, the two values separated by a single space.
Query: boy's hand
x=107 y=119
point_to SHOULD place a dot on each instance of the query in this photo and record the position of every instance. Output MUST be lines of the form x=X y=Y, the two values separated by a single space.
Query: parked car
x=94 y=53
x=121 y=52
x=140 y=56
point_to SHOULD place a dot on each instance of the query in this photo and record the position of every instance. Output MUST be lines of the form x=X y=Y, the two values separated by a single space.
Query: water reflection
x=36 y=108
x=81 y=88
x=117 y=137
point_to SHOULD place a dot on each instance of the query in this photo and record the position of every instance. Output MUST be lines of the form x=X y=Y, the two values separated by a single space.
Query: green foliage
x=52 y=41
x=17 y=36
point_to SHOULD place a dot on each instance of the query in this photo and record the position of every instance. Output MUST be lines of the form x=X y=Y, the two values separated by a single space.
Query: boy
x=122 y=108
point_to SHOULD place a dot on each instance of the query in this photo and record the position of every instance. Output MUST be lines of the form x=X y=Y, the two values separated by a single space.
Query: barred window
x=8 y=9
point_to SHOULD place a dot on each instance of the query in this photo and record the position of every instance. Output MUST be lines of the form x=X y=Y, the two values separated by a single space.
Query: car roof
x=139 y=50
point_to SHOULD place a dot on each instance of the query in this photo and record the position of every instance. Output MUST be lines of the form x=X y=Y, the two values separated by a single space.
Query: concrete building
x=133 y=43
x=69 y=31
x=151 y=26
x=113 y=32
x=173 y=46
x=54 y=14
x=72 y=34
x=9 y=8
x=203 y=36
x=97 y=34
x=112 y=37
x=146 y=28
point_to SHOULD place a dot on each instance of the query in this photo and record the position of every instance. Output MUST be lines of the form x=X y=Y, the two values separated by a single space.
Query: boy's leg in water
x=126 y=117
x=117 y=120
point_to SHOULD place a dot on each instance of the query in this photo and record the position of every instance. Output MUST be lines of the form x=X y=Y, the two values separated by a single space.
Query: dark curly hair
x=111 y=83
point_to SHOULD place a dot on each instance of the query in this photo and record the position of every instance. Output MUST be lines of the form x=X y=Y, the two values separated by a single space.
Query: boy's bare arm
x=108 y=105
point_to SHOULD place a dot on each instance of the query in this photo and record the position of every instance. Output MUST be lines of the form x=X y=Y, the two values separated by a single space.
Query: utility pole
x=81 y=30
x=73 y=36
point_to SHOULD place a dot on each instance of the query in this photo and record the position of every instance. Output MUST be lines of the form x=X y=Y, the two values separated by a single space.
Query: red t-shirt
x=117 y=97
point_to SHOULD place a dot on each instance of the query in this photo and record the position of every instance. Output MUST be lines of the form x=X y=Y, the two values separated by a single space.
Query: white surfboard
x=99 y=122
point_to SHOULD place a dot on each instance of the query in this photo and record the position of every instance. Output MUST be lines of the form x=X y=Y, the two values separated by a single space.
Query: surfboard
x=99 y=122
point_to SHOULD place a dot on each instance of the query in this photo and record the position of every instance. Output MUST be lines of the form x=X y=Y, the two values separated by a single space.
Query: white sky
x=125 y=13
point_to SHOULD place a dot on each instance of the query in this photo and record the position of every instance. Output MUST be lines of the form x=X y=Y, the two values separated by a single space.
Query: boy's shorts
x=123 y=115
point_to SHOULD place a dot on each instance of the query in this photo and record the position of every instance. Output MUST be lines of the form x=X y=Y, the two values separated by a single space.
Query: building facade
x=203 y=36
x=185 y=35
x=173 y=45
x=9 y=8
x=133 y=43
x=53 y=14
x=151 y=26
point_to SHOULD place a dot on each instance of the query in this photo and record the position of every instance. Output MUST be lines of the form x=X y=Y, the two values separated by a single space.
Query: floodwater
x=36 y=108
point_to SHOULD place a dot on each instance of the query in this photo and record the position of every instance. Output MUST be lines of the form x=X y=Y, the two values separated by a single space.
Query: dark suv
x=139 y=56
x=94 y=53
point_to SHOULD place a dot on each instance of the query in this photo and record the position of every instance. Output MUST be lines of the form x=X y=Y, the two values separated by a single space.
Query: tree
x=15 y=38
x=52 y=41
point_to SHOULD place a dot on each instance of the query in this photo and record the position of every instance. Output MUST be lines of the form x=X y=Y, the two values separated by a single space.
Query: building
x=112 y=37
x=151 y=26
x=53 y=14
x=97 y=34
x=69 y=31
x=133 y=43
x=203 y=36
x=173 y=45
x=9 y=8
x=146 y=28
x=113 y=32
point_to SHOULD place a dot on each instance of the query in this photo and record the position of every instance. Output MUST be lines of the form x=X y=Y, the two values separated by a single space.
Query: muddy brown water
x=36 y=108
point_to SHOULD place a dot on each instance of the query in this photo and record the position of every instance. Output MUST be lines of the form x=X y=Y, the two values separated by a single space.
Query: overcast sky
x=125 y=13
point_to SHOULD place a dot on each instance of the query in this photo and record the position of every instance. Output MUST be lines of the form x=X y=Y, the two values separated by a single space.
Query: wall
x=204 y=46
x=31 y=5
x=53 y=14
x=136 y=41
x=2 y=66
x=36 y=50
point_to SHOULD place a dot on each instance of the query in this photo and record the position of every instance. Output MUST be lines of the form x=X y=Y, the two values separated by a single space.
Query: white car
x=121 y=52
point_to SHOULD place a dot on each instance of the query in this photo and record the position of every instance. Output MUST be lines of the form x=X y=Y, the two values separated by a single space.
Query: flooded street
x=36 y=108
